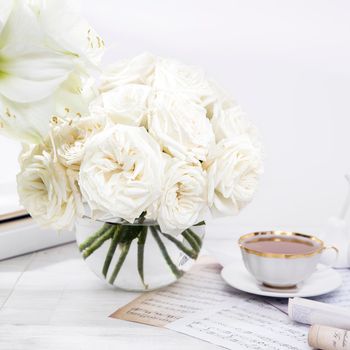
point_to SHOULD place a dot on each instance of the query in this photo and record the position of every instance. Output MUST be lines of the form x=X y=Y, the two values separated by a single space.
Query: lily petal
x=33 y=77
x=28 y=122
x=46 y=55
x=29 y=70
x=21 y=31
x=82 y=39
x=6 y=7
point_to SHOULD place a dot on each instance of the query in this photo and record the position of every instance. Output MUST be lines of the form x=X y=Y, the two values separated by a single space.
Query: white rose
x=221 y=96
x=233 y=167
x=120 y=175
x=220 y=100
x=138 y=70
x=184 y=196
x=232 y=122
x=174 y=76
x=48 y=190
x=68 y=137
x=124 y=104
x=180 y=126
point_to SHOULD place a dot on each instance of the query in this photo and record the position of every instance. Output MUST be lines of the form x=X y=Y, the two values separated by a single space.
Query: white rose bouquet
x=155 y=142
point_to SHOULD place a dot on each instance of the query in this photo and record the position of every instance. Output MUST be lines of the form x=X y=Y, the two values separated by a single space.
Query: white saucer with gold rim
x=323 y=281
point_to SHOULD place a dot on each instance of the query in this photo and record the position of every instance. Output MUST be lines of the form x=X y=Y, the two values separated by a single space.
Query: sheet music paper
x=340 y=296
x=245 y=324
x=200 y=288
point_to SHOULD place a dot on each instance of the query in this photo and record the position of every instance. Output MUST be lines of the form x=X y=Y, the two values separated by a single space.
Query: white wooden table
x=51 y=300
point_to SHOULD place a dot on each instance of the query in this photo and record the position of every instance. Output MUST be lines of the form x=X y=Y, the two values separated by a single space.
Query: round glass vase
x=139 y=256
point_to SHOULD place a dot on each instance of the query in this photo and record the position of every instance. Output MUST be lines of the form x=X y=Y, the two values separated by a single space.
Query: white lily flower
x=6 y=7
x=39 y=63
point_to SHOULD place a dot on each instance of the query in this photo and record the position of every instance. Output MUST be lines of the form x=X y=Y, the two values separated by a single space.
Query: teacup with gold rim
x=281 y=259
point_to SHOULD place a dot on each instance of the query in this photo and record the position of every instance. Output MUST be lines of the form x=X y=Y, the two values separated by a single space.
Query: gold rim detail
x=263 y=236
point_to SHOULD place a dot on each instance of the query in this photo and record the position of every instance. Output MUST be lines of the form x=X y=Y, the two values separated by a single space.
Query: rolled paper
x=328 y=338
x=313 y=312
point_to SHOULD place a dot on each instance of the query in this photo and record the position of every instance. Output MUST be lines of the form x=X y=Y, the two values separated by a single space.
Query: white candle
x=313 y=312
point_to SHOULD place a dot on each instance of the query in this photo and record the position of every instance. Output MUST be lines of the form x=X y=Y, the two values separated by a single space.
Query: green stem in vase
x=201 y=223
x=90 y=240
x=165 y=254
x=191 y=253
x=195 y=237
x=129 y=233
x=140 y=253
x=193 y=242
x=124 y=252
x=98 y=242
x=111 y=250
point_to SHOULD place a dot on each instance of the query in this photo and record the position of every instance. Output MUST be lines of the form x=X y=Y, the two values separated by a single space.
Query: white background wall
x=286 y=62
